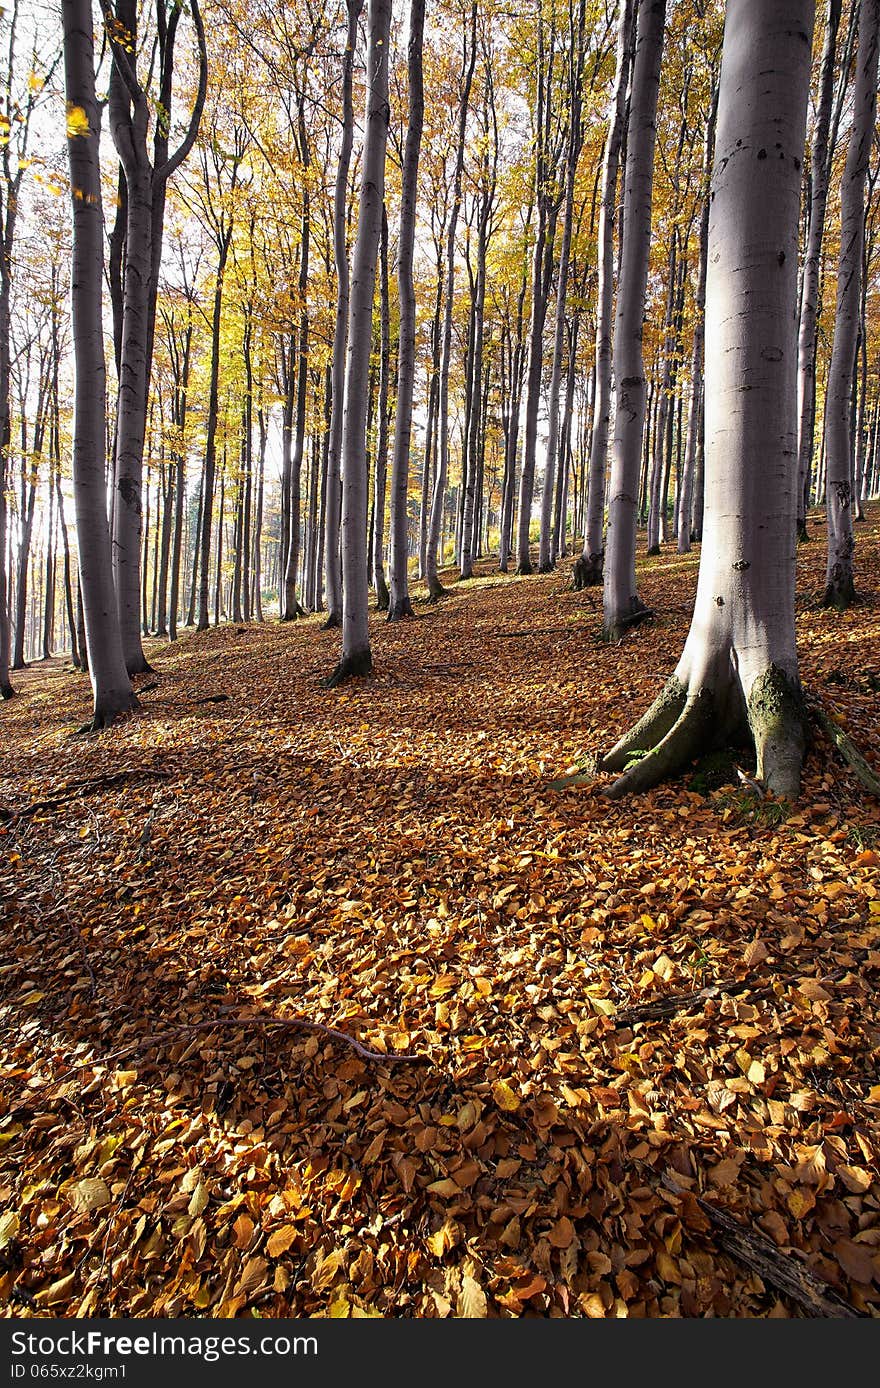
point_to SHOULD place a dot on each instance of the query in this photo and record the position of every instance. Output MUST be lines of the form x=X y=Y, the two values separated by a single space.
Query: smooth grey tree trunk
x=333 y=501
x=111 y=685
x=738 y=672
x=433 y=556
x=381 y=469
x=689 y=467
x=839 y=583
x=589 y=567
x=546 y=549
x=356 y=656
x=292 y=607
x=812 y=268
x=621 y=604
x=399 y=604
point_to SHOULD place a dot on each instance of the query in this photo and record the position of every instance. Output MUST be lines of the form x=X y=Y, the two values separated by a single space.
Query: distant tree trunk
x=207 y=516
x=356 y=656
x=589 y=567
x=689 y=469
x=738 y=672
x=258 y=519
x=292 y=608
x=621 y=604
x=839 y=586
x=516 y=358
x=381 y=473
x=332 y=559
x=809 y=304
x=664 y=390
x=111 y=685
x=433 y=552
x=546 y=549
x=562 y=482
x=400 y=605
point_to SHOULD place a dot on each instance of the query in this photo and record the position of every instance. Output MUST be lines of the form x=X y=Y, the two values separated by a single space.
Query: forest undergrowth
x=632 y=1047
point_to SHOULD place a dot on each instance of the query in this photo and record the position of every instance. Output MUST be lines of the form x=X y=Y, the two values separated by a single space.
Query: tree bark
x=590 y=565
x=621 y=604
x=399 y=603
x=433 y=556
x=738 y=672
x=809 y=305
x=356 y=656
x=111 y=685
x=839 y=584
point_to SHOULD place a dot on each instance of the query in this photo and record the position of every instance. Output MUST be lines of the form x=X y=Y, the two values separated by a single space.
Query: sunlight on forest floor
x=624 y=1013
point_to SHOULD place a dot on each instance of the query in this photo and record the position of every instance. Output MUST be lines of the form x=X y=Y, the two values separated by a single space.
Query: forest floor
x=646 y=1033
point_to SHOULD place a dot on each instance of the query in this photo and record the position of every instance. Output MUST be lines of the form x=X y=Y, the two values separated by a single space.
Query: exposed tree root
x=292 y=616
x=350 y=667
x=548 y=567
x=400 y=610
x=526 y=567
x=382 y=595
x=436 y=591
x=638 y=613
x=7 y=691
x=106 y=715
x=840 y=594
x=683 y=722
x=333 y=622
x=139 y=667
x=246 y=1023
x=588 y=571
x=77 y=789
x=847 y=748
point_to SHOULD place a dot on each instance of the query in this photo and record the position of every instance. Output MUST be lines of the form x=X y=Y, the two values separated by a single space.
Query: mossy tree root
x=672 y=749
x=847 y=749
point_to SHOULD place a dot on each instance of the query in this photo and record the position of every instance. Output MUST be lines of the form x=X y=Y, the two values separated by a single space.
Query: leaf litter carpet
x=631 y=1047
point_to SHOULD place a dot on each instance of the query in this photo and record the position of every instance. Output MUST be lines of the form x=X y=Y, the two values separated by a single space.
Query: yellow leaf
x=471 y=1301
x=90 y=1195
x=9 y=1226
x=280 y=1241
x=77 y=124
x=198 y=1200
x=505 y=1097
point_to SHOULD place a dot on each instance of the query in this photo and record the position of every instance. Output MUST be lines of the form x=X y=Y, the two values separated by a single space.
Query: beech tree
x=738 y=673
x=400 y=605
x=621 y=604
x=839 y=489
x=111 y=685
x=356 y=658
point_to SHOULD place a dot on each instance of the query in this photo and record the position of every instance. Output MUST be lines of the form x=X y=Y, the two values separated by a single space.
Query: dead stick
x=782 y=1271
x=847 y=749
x=292 y=1023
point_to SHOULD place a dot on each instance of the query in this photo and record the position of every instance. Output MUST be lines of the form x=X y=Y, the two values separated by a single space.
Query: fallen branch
x=781 y=1270
x=285 y=1023
x=210 y=699
x=847 y=748
x=74 y=788
x=679 y=1002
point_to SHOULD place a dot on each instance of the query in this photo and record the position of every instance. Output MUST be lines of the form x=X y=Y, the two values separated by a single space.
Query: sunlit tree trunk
x=839 y=586
x=433 y=557
x=399 y=605
x=589 y=566
x=111 y=685
x=809 y=307
x=332 y=557
x=621 y=604
x=738 y=673
x=356 y=656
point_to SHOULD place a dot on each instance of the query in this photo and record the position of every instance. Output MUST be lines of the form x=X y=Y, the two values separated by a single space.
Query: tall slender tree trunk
x=839 y=584
x=207 y=513
x=589 y=567
x=381 y=472
x=621 y=604
x=738 y=672
x=332 y=557
x=111 y=685
x=546 y=549
x=292 y=607
x=809 y=304
x=399 y=604
x=689 y=467
x=433 y=557
x=356 y=658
